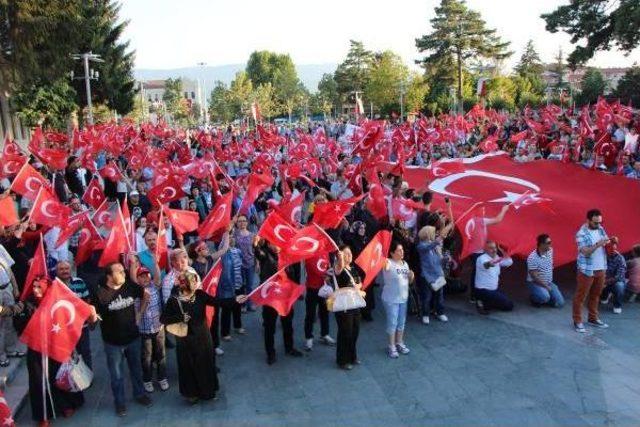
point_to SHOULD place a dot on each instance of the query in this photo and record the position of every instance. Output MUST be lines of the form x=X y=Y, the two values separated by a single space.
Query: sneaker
x=579 y=327
x=402 y=348
x=472 y=300
x=617 y=310
x=605 y=301
x=327 y=340
x=144 y=401
x=598 y=324
x=346 y=367
x=443 y=318
x=425 y=320
x=393 y=353
x=241 y=331
x=219 y=351
x=480 y=308
x=633 y=297
x=148 y=387
x=308 y=344
x=121 y=411
x=164 y=384
x=226 y=338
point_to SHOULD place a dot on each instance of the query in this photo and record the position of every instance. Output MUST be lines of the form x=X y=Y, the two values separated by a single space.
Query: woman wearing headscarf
x=430 y=252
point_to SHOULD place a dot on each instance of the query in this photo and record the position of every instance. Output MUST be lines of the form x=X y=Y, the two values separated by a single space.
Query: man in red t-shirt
x=316 y=269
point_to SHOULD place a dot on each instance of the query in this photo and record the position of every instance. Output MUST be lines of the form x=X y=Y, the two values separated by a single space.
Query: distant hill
x=310 y=74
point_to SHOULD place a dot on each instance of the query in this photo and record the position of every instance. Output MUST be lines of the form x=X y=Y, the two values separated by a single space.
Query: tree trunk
x=460 y=101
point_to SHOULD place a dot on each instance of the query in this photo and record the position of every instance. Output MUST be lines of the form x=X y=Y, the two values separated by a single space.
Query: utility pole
x=402 y=92
x=88 y=76
x=203 y=103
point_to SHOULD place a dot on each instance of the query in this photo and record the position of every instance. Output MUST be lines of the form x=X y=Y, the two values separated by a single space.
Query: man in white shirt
x=488 y=267
x=340 y=189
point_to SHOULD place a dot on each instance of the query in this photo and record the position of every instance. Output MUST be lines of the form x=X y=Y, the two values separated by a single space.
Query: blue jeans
x=494 y=300
x=430 y=300
x=617 y=289
x=116 y=355
x=248 y=280
x=540 y=295
x=396 y=316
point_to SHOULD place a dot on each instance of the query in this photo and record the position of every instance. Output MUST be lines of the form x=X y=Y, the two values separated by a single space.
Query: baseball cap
x=143 y=270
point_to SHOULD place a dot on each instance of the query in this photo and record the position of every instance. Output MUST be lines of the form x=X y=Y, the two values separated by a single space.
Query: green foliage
x=417 y=90
x=353 y=73
x=264 y=95
x=240 y=94
x=629 y=87
x=499 y=103
x=459 y=35
x=262 y=66
x=327 y=98
x=36 y=43
x=50 y=105
x=531 y=68
x=387 y=75
x=593 y=86
x=220 y=109
x=531 y=99
x=602 y=24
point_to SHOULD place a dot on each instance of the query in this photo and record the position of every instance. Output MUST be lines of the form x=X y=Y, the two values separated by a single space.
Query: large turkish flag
x=496 y=180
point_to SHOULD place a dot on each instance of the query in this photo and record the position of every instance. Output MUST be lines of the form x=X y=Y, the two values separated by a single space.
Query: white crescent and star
x=45 y=209
x=311 y=249
x=169 y=193
x=279 y=228
x=28 y=184
x=63 y=303
x=440 y=185
x=377 y=255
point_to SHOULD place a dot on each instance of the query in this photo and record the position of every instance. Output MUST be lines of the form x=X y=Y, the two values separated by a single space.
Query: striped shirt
x=150 y=319
x=542 y=264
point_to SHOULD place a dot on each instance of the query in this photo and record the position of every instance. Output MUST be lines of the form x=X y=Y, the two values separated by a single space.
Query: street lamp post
x=89 y=74
x=203 y=99
x=402 y=92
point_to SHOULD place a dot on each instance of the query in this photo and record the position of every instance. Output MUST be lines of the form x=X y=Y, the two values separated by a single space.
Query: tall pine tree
x=459 y=34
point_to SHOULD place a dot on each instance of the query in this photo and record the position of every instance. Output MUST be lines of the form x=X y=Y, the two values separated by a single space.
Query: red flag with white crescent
x=210 y=286
x=374 y=256
x=56 y=326
x=47 y=210
x=37 y=270
x=308 y=242
x=28 y=182
x=277 y=230
x=93 y=195
x=167 y=191
x=278 y=292
x=219 y=217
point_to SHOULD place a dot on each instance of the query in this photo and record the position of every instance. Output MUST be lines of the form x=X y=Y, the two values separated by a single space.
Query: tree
x=593 y=86
x=100 y=32
x=352 y=74
x=220 y=109
x=48 y=105
x=629 y=87
x=263 y=65
x=501 y=91
x=600 y=23
x=240 y=92
x=458 y=35
x=417 y=90
x=328 y=97
x=264 y=95
x=530 y=68
x=288 y=90
x=387 y=75
x=559 y=69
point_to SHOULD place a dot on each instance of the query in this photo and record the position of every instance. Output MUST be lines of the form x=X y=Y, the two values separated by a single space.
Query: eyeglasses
x=242 y=220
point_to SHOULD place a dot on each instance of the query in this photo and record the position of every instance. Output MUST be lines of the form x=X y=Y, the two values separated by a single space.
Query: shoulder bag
x=179 y=329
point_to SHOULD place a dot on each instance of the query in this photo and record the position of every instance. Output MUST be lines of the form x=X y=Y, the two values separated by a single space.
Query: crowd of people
x=144 y=308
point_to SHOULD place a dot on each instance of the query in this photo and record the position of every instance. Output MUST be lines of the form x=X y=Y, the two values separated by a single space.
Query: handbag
x=344 y=299
x=179 y=329
x=74 y=375
x=438 y=284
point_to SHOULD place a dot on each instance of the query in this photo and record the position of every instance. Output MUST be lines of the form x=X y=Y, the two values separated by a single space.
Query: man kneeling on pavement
x=542 y=290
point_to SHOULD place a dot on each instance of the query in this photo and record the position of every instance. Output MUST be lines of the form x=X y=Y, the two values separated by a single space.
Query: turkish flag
x=56 y=326
x=210 y=286
x=37 y=270
x=55 y=159
x=71 y=226
x=11 y=165
x=277 y=230
x=111 y=172
x=489 y=144
x=8 y=212
x=167 y=191
x=374 y=256
x=473 y=229
x=258 y=183
x=400 y=209
x=162 y=248
x=88 y=241
x=10 y=148
x=182 y=221
x=219 y=217
x=292 y=209
x=117 y=243
x=515 y=138
x=497 y=180
x=278 y=292
x=28 y=182
x=445 y=167
x=93 y=195
x=308 y=242
x=6 y=417
x=376 y=203
x=47 y=210
x=104 y=216
x=329 y=214
x=529 y=199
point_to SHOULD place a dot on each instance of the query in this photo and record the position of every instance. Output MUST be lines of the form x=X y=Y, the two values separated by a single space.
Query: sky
x=176 y=34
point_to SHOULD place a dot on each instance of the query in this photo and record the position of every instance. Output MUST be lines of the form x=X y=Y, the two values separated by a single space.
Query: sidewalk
x=522 y=368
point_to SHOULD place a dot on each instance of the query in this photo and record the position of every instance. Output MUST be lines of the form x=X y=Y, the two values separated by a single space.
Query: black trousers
x=348 y=330
x=370 y=299
x=315 y=306
x=269 y=318
x=472 y=285
x=225 y=309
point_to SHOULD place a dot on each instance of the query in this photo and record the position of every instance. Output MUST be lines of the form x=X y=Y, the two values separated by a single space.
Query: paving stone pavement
x=522 y=368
